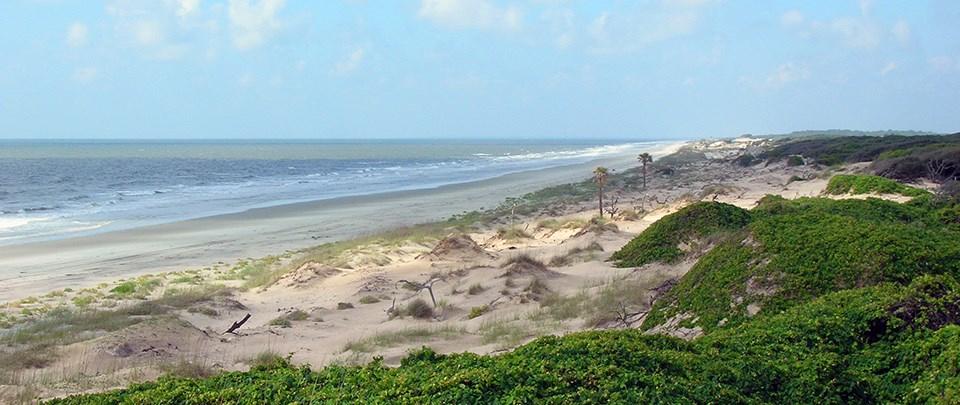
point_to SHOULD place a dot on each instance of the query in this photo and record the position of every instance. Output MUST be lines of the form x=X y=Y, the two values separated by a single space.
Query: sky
x=349 y=69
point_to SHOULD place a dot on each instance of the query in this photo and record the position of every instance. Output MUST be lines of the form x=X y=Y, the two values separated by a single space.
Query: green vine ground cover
x=886 y=343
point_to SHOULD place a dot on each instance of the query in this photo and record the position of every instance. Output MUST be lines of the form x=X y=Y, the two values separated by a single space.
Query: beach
x=34 y=268
x=106 y=310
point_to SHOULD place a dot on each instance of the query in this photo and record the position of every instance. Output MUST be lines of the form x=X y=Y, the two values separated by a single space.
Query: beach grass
x=404 y=336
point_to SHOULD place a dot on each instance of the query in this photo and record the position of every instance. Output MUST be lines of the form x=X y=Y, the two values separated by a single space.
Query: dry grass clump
x=369 y=299
x=557 y=224
x=265 y=359
x=31 y=357
x=537 y=287
x=577 y=254
x=628 y=214
x=403 y=336
x=419 y=309
x=525 y=265
x=476 y=289
x=512 y=234
x=188 y=369
x=598 y=226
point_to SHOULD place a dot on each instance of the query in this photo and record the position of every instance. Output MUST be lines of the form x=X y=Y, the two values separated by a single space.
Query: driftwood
x=426 y=285
x=393 y=311
x=236 y=325
x=626 y=319
x=611 y=207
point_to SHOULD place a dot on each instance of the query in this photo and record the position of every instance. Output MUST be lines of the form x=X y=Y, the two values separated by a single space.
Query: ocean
x=59 y=189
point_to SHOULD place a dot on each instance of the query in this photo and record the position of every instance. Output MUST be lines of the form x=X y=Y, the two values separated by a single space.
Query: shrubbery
x=795 y=250
x=865 y=184
x=851 y=149
x=868 y=345
x=660 y=241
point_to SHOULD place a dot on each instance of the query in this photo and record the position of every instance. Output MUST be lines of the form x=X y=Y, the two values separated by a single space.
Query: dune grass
x=404 y=336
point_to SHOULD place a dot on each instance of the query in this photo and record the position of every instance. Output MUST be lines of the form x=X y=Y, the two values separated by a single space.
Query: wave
x=595 y=151
x=153 y=194
x=7 y=224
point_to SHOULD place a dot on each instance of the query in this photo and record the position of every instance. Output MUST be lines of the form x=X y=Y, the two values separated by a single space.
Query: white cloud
x=187 y=7
x=856 y=32
x=944 y=63
x=477 y=14
x=629 y=31
x=158 y=30
x=245 y=79
x=901 y=32
x=792 y=18
x=787 y=73
x=254 y=22
x=148 y=33
x=891 y=66
x=351 y=62
x=85 y=75
x=560 y=23
x=77 y=35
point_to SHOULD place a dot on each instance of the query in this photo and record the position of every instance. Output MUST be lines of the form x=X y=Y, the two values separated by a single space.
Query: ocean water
x=58 y=189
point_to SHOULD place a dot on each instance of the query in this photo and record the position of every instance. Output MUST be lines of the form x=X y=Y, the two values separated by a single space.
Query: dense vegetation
x=663 y=240
x=878 y=344
x=795 y=250
x=939 y=162
x=852 y=149
x=866 y=184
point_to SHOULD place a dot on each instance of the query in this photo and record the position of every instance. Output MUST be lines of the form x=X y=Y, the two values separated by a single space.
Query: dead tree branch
x=426 y=285
x=236 y=325
x=627 y=319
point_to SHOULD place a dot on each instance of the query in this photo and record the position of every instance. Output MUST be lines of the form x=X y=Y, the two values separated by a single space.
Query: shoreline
x=38 y=267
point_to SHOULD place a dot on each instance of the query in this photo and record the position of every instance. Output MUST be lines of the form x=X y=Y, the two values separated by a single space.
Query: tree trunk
x=644 y=175
x=600 y=193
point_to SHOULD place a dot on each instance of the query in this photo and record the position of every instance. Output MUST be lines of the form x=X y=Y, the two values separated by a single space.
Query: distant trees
x=600 y=175
x=644 y=159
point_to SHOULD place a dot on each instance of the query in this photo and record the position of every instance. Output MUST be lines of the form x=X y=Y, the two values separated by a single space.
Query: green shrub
x=796 y=250
x=477 y=311
x=660 y=242
x=866 y=184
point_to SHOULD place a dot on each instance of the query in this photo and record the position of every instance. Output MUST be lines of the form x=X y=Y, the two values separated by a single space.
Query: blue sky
x=474 y=68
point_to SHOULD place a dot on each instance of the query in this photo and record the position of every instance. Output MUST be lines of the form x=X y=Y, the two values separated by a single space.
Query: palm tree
x=600 y=177
x=645 y=158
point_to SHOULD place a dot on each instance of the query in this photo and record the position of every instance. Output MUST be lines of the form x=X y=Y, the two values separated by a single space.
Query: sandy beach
x=496 y=285
x=35 y=268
